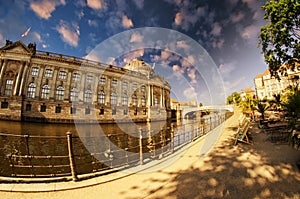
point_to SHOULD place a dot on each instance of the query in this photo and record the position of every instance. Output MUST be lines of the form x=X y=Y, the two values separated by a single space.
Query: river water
x=24 y=144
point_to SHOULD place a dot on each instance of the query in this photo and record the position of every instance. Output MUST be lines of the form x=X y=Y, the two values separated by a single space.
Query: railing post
x=172 y=137
x=71 y=156
x=141 y=147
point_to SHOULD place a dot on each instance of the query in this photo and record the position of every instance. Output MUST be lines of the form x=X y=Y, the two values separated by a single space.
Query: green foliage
x=262 y=107
x=234 y=98
x=279 y=39
x=276 y=102
x=292 y=105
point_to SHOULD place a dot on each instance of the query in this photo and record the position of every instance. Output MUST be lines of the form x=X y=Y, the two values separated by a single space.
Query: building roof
x=267 y=72
x=139 y=65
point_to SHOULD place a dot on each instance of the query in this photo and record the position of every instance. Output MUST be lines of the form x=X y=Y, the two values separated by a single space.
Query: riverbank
x=261 y=170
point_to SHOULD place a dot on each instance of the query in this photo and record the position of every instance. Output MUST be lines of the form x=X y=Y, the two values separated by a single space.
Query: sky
x=206 y=49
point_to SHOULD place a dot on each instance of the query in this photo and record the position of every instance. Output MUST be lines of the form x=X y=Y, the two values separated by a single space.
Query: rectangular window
x=58 y=109
x=114 y=82
x=62 y=75
x=73 y=110
x=48 y=73
x=143 y=88
x=8 y=87
x=43 y=108
x=102 y=81
x=4 y=104
x=76 y=77
x=28 y=107
x=125 y=111
x=89 y=79
x=35 y=71
x=114 y=111
x=87 y=111
x=144 y=111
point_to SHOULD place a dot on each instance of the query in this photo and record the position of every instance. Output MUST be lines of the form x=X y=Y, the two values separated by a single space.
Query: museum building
x=49 y=87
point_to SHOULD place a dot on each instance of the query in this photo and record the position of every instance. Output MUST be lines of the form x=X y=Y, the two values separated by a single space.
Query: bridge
x=187 y=109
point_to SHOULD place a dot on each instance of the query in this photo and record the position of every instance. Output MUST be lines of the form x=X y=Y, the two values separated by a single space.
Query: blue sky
x=226 y=29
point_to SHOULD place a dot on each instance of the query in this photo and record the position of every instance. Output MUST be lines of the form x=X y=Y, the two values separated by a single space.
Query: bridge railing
x=72 y=157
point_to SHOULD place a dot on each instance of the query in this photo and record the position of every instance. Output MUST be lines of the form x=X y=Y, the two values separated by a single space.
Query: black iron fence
x=71 y=156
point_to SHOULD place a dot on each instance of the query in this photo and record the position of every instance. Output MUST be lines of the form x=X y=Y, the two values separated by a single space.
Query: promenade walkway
x=263 y=170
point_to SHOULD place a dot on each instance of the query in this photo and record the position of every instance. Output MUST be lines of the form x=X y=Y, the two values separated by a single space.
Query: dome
x=140 y=66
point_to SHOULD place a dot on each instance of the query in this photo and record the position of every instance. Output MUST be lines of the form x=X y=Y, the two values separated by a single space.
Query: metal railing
x=68 y=157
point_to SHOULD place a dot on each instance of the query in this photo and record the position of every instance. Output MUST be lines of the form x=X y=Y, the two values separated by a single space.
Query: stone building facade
x=266 y=86
x=49 y=87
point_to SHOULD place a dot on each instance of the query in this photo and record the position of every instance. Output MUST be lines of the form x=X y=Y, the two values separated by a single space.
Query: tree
x=276 y=102
x=292 y=105
x=279 y=39
x=262 y=107
x=234 y=98
x=248 y=104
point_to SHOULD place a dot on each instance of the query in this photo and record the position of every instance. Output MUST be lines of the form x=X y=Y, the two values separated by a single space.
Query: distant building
x=266 y=86
x=49 y=87
x=247 y=91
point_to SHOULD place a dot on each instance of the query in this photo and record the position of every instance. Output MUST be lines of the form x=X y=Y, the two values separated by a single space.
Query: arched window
x=143 y=101
x=134 y=100
x=101 y=97
x=88 y=96
x=74 y=95
x=60 y=92
x=45 y=92
x=124 y=100
x=31 y=90
x=113 y=98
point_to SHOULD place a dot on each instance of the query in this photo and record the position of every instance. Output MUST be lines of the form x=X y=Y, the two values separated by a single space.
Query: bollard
x=71 y=157
x=141 y=147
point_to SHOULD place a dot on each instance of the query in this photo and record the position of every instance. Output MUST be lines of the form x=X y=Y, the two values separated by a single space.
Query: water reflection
x=96 y=147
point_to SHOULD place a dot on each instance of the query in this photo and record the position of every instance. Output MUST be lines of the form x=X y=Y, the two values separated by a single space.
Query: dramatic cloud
x=237 y=17
x=177 y=68
x=226 y=68
x=37 y=36
x=126 y=22
x=250 y=32
x=139 y=3
x=96 y=4
x=218 y=43
x=92 y=23
x=136 y=37
x=216 y=29
x=190 y=93
x=138 y=53
x=44 y=8
x=69 y=33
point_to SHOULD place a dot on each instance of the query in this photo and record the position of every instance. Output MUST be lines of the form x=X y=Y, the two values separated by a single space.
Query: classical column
x=107 y=91
x=81 y=87
x=17 y=84
x=152 y=97
x=149 y=96
x=161 y=97
x=68 y=85
x=54 y=84
x=39 y=80
x=23 y=79
x=3 y=68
